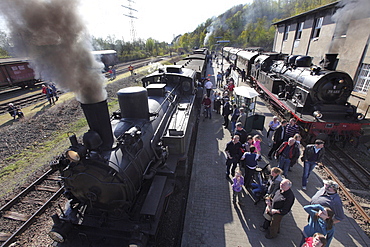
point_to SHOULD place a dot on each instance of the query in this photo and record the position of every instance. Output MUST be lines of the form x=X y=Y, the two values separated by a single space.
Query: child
x=257 y=144
x=238 y=182
x=320 y=221
x=318 y=240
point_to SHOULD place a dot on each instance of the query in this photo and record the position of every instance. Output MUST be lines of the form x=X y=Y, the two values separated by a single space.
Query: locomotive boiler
x=308 y=90
x=316 y=97
x=119 y=178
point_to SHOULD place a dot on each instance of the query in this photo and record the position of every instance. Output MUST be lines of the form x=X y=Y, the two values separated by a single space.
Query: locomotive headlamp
x=317 y=114
x=73 y=156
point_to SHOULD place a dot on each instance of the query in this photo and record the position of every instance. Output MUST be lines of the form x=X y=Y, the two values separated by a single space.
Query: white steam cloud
x=53 y=36
x=350 y=10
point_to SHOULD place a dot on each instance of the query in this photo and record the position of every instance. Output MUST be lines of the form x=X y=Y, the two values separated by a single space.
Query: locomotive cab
x=175 y=78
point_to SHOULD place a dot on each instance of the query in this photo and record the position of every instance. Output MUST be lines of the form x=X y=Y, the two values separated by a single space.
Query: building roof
x=328 y=6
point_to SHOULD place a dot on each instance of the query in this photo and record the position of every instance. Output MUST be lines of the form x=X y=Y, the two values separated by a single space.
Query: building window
x=363 y=80
x=318 y=25
x=286 y=32
x=299 y=31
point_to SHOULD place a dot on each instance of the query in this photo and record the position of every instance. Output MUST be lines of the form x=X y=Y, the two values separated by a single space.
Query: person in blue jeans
x=312 y=155
x=288 y=154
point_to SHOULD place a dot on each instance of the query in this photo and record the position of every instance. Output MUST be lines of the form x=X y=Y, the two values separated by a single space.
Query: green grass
x=37 y=155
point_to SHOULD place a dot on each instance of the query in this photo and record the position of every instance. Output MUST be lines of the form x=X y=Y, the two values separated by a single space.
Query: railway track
x=23 y=101
x=20 y=212
x=22 y=98
x=349 y=174
x=347 y=168
x=343 y=189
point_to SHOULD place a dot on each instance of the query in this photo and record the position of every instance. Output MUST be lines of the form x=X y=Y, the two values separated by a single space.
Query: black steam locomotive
x=316 y=97
x=118 y=181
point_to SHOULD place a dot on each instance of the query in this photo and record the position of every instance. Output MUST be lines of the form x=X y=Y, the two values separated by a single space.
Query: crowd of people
x=242 y=155
x=50 y=92
x=243 y=152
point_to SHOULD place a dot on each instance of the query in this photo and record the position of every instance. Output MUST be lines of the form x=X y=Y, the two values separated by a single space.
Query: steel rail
x=9 y=204
x=358 y=165
x=352 y=173
x=358 y=207
x=29 y=222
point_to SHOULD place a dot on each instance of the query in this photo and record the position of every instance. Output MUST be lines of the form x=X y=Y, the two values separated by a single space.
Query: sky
x=161 y=20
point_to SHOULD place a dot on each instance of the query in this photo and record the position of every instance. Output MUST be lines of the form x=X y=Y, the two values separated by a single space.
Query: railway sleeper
x=34 y=201
x=16 y=216
x=47 y=188
x=4 y=236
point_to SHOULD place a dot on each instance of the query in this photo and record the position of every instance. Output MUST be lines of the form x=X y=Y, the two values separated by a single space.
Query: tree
x=4 y=45
x=150 y=46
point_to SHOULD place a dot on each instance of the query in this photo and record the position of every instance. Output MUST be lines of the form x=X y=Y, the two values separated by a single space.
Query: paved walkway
x=211 y=218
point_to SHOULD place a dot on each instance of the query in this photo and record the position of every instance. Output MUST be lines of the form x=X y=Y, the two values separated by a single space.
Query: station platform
x=211 y=218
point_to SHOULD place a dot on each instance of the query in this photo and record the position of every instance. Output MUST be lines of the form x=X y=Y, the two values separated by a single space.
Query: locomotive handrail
x=161 y=123
x=170 y=93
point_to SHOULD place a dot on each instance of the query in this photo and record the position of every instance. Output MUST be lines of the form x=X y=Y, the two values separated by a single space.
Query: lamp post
x=222 y=53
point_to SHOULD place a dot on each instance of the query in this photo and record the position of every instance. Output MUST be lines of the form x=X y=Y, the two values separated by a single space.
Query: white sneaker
x=304 y=188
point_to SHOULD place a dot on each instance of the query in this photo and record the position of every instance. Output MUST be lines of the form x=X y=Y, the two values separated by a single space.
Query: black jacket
x=293 y=152
x=242 y=134
x=277 y=134
x=310 y=150
x=283 y=201
x=226 y=109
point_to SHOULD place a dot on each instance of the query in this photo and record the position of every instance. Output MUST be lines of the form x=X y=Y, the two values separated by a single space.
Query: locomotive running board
x=153 y=199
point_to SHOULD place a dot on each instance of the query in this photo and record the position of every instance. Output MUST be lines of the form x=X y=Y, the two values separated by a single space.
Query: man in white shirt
x=208 y=85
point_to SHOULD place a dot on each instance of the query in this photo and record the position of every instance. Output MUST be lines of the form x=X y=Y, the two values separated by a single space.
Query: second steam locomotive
x=315 y=96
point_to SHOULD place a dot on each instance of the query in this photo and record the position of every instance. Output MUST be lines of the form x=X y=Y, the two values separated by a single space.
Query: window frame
x=286 y=32
x=362 y=84
x=317 y=27
x=299 y=30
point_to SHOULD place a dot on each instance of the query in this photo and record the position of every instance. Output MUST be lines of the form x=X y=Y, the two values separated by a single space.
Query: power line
x=132 y=17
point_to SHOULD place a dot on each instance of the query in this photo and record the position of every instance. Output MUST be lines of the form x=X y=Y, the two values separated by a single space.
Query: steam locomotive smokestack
x=52 y=34
x=98 y=118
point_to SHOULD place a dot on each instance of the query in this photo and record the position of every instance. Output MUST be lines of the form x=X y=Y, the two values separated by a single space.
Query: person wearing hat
x=312 y=155
x=14 y=111
x=327 y=196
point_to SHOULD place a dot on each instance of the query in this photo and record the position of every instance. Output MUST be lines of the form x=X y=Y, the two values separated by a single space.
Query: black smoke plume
x=54 y=37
